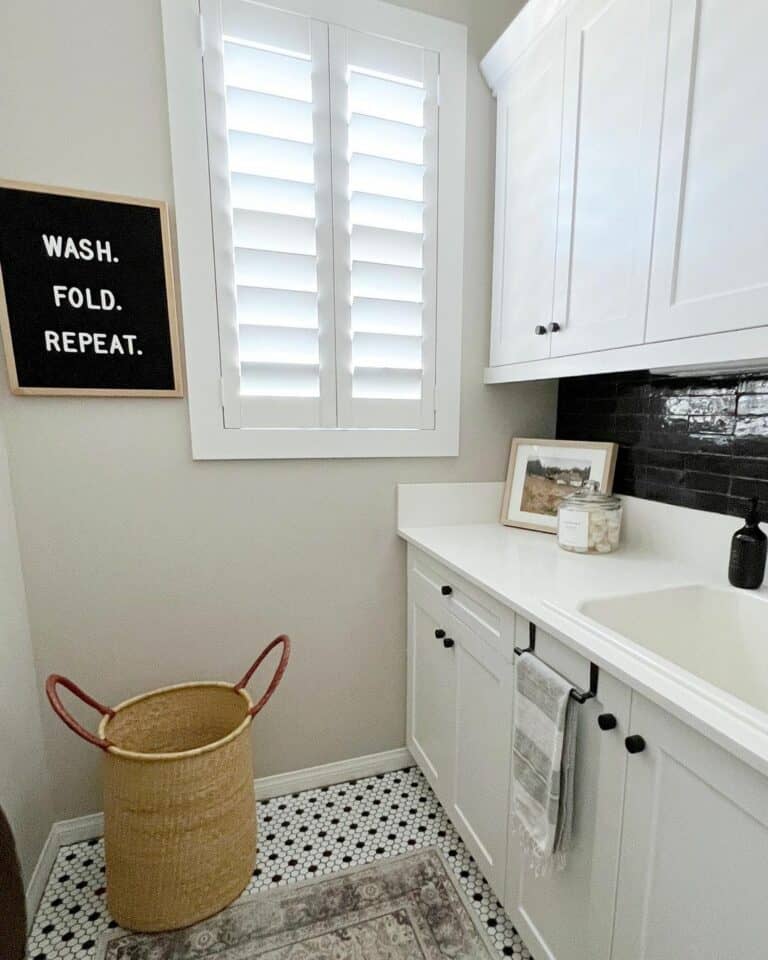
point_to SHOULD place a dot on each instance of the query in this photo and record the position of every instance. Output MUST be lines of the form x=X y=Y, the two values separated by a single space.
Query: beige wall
x=24 y=784
x=144 y=568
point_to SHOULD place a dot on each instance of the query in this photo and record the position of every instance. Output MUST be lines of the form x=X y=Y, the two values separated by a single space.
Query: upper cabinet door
x=710 y=262
x=614 y=90
x=527 y=183
x=694 y=850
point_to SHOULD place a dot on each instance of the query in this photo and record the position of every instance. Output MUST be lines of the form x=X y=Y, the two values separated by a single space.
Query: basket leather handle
x=278 y=675
x=56 y=680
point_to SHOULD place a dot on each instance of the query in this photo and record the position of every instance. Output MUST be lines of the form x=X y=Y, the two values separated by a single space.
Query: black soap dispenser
x=748 y=553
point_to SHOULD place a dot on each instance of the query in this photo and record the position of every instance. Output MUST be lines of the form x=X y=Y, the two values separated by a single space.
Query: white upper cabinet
x=710 y=266
x=528 y=164
x=612 y=112
x=631 y=196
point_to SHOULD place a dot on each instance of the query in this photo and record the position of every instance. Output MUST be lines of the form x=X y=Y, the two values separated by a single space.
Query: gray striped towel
x=544 y=753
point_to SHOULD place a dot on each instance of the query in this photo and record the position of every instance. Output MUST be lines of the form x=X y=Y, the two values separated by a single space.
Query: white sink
x=716 y=634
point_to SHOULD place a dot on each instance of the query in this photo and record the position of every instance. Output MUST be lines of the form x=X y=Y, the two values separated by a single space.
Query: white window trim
x=186 y=100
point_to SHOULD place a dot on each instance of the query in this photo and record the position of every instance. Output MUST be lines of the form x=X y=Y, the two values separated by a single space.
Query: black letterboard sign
x=86 y=294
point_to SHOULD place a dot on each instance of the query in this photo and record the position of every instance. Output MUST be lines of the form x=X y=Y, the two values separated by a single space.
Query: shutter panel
x=384 y=139
x=266 y=77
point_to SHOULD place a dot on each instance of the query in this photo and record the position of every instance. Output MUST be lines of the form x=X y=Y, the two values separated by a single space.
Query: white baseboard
x=79 y=829
x=62 y=833
x=65 y=832
x=39 y=878
x=323 y=776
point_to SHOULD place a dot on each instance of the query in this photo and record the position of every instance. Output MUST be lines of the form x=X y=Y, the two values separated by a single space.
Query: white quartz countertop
x=528 y=572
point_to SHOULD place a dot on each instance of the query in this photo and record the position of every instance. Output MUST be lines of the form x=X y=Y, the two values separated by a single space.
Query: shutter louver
x=384 y=136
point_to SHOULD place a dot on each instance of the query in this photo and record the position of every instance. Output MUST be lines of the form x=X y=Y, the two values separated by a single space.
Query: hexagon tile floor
x=309 y=834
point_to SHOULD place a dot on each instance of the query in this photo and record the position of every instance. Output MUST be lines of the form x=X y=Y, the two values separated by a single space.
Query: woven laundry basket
x=179 y=806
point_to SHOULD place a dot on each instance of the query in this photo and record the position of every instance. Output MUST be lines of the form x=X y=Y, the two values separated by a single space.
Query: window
x=319 y=179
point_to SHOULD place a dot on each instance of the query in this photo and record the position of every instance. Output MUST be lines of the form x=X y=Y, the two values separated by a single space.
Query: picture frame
x=541 y=473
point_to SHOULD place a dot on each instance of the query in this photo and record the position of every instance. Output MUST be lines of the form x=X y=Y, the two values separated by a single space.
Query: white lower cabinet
x=460 y=712
x=568 y=915
x=670 y=840
x=483 y=735
x=693 y=878
x=431 y=697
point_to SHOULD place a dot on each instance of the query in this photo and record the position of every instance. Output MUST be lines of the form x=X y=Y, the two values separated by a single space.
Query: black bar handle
x=580 y=696
x=531 y=641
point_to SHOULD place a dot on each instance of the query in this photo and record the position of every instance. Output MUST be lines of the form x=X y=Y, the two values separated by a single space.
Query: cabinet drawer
x=446 y=592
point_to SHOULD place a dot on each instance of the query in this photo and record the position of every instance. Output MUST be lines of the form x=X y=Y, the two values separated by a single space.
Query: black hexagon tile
x=304 y=835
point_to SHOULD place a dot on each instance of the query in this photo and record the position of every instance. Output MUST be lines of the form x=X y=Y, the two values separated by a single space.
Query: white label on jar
x=573 y=529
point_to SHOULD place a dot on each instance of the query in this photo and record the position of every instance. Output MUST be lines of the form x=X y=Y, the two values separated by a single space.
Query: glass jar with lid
x=589 y=521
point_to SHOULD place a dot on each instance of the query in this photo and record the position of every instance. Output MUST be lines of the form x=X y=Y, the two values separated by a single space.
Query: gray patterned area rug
x=403 y=908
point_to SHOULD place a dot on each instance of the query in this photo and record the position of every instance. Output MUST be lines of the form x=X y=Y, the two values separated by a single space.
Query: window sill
x=219 y=443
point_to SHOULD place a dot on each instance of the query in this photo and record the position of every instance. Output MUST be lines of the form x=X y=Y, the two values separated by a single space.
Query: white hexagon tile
x=309 y=834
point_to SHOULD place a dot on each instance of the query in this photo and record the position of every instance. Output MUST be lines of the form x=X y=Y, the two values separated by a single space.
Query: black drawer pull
x=606 y=721
x=446 y=590
x=439 y=634
x=635 y=743
x=447 y=643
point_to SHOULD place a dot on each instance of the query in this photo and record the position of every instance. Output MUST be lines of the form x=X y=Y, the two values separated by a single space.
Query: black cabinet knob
x=540 y=331
x=554 y=328
x=446 y=590
x=439 y=634
x=606 y=721
x=634 y=743
x=447 y=643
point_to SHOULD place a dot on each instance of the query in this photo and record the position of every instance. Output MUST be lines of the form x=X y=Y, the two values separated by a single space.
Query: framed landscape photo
x=543 y=472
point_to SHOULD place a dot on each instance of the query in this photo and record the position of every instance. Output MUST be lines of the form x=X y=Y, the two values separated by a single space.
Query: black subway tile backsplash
x=697 y=442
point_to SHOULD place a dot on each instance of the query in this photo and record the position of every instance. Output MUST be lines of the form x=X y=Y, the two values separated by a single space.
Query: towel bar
x=580 y=696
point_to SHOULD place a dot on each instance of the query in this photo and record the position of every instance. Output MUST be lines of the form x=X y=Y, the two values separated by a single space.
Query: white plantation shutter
x=269 y=153
x=323 y=164
x=384 y=138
